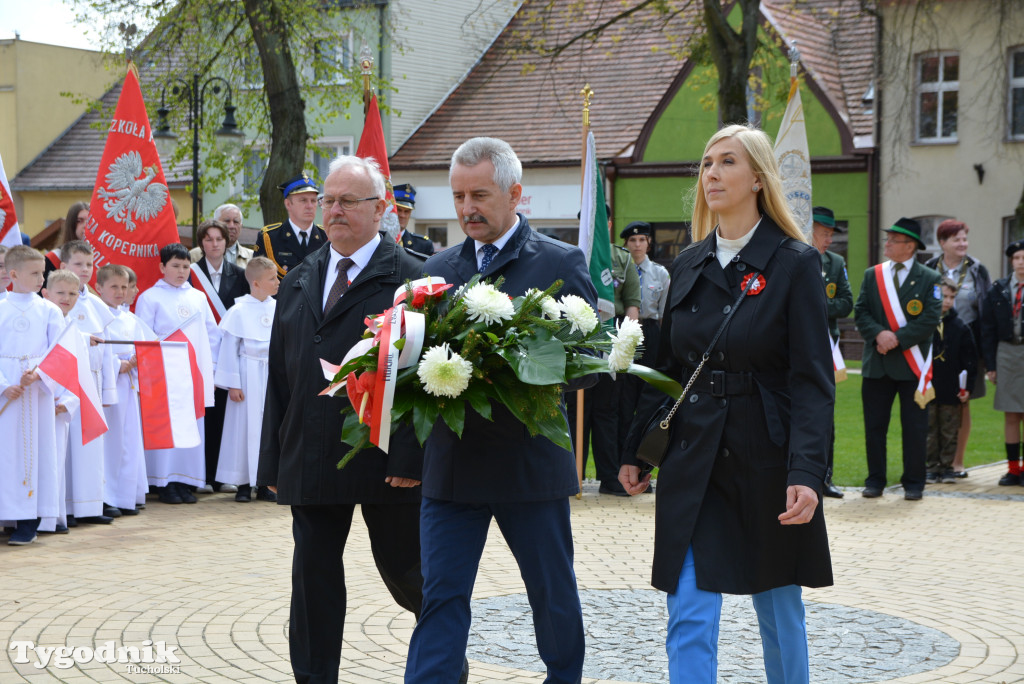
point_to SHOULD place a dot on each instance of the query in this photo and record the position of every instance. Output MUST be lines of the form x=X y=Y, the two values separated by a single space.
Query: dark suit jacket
x=837 y=290
x=279 y=243
x=953 y=351
x=723 y=482
x=497 y=461
x=997 y=319
x=417 y=243
x=301 y=442
x=921 y=285
x=232 y=282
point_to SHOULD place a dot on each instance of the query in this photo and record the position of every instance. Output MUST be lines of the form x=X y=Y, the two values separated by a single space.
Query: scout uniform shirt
x=837 y=290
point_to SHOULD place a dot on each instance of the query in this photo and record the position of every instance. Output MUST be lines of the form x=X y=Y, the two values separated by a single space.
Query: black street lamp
x=194 y=94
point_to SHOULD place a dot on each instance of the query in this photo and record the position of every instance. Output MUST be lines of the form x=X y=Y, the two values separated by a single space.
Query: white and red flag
x=10 y=232
x=371 y=144
x=166 y=395
x=66 y=367
x=130 y=215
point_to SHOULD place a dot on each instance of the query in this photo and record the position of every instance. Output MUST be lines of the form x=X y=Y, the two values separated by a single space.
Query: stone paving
x=925 y=591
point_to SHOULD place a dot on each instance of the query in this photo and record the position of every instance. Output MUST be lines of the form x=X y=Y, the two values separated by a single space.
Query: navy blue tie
x=489 y=252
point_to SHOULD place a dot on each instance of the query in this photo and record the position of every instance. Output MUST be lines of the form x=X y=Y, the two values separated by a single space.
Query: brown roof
x=72 y=160
x=534 y=104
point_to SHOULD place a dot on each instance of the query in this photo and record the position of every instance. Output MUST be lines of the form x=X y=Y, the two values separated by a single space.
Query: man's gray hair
x=368 y=164
x=507 y=168
x=219 y=211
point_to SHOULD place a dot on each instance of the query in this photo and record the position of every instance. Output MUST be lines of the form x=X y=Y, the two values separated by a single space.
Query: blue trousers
x=452 y=537
x=692 y=642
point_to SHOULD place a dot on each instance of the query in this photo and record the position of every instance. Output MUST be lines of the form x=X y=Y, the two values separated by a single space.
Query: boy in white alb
x=28 y=461
x=172 y=304
x=5 y=279
x=242 y=370
x=124 y=459
x=62 y=289
x=85 y=487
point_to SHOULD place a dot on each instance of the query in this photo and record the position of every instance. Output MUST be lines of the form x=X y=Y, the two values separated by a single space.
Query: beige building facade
x=952 y=120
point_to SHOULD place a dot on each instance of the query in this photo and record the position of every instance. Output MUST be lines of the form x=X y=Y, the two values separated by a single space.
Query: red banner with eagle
x=371 y=144
x=130 y=215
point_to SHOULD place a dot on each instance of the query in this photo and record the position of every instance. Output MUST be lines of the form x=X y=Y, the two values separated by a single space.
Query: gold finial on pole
x=587 y=93
x=366 y=65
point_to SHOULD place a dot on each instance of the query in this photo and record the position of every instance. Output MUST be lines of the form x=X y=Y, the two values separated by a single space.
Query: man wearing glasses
x=897 y=313
x=321 y=309
x=288 y=243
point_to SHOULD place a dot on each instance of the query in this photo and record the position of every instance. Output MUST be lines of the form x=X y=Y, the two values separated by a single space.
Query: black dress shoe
x=169 y=495
x=184 y=492
x=1009 y=480
x=71 y=521
x=244 y=494
x=264 y=494
x=871 y=492
x=831 y=491
x=913 y=495
x=615 y=489
x=128 y=511
x=97 y=520
x=111 y=511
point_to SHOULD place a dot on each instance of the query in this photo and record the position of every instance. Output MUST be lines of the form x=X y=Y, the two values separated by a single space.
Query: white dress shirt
x=499 y=243
x=361 y=257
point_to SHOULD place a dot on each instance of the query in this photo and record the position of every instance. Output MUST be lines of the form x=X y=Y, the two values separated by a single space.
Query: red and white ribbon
x=920 y=364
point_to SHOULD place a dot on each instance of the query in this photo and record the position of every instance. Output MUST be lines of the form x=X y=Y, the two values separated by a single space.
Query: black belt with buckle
x=721 y=383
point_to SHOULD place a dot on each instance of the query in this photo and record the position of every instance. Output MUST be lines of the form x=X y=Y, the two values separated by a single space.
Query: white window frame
x=939 y=87
x=340 y=144
x=1012 y=85
x=343 y=56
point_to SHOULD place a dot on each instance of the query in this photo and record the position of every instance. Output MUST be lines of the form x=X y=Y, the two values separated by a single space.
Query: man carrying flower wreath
x=496 y=470
x=321 y=306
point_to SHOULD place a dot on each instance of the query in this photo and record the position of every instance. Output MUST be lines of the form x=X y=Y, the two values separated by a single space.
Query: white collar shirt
x=499 y=243
x=360 y=259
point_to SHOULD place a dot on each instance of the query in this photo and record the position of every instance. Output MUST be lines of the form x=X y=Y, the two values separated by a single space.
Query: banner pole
x=587 y=93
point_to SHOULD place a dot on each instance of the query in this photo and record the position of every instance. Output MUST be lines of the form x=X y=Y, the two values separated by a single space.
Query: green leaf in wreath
x=424 y=415
x=453 y=412
x=477 y=398
x=537 y=360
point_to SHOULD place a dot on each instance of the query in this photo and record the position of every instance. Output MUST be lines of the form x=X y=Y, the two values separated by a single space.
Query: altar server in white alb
x=62 y=289
x=172 y=305
x=85 y=487
x=124 y=458
x=242 y=370
x=28 y=464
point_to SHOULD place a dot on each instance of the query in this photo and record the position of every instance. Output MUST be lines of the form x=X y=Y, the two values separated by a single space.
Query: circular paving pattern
x=626 y=637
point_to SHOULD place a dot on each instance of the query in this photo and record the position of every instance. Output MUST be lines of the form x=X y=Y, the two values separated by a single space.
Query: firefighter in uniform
x=288 y=243
x=405 y=202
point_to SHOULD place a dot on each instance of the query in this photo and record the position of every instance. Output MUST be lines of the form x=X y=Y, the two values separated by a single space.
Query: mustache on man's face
x=475 y=218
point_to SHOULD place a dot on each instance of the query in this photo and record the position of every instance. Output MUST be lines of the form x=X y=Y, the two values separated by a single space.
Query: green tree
x=289 y=65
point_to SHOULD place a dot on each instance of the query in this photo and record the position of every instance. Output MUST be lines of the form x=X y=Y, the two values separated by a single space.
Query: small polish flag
x=66 y=366
x=166 y=397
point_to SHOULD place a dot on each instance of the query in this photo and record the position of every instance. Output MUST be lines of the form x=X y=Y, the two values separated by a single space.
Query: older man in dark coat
x=496 y=470
x=321 y=309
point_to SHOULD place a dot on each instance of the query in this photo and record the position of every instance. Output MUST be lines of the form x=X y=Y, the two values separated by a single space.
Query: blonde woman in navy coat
x=738 y=493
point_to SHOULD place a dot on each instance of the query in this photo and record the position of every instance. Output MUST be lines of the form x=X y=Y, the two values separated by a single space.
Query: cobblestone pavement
x=925 y=591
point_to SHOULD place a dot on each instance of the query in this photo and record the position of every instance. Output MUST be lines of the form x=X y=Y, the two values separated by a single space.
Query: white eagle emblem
x=129 y=195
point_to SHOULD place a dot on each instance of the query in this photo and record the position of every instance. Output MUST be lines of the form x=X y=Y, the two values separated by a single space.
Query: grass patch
x=984 y=446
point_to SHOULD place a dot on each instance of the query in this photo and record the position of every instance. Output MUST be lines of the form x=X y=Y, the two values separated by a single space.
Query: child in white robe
x=124 y=457
x=242 y=370
x=5 y=280
x=28 y=463
x=172 y=304
x=85 y=487
x=62 y=289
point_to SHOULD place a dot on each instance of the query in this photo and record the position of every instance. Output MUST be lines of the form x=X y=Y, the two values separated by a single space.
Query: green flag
x=594 y=239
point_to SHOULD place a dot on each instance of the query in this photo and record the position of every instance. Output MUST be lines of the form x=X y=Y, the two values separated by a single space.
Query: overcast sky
x=43 y=21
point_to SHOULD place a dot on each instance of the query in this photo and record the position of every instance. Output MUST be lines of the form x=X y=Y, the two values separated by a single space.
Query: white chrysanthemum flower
x=579 y=313
x=628 y=337
x=548 y=306
x=486 y=303
x=443 y=373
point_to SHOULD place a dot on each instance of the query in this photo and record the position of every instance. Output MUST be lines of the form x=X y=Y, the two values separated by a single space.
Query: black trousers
x=319 y=598
x=877 y=395
x=600 y=425
x=214 y=431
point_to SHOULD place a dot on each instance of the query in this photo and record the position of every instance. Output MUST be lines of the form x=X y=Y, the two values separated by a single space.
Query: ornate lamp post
x=194 y=95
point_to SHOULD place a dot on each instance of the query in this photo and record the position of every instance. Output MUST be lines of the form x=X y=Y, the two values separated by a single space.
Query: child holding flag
x=124 y=460
x=171 y=309
x=28 y=464
x=242 y=370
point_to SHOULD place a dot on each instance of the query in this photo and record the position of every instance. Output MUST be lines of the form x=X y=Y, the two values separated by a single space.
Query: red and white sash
x=918 y=362
x=203 y=283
